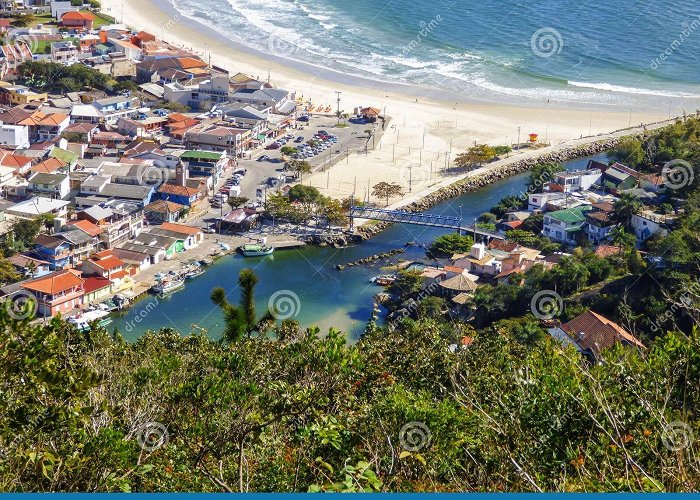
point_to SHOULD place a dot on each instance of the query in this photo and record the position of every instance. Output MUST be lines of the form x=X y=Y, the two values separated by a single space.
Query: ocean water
x=621 y=53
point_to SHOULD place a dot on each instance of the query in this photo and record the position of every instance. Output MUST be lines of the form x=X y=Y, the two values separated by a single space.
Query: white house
x=565 y=226
x=648 y=223
x=85 y=113
x=58 y=8
x=33 y=207
x=50 y=185
x=579 y=180
x=538 y=201
x=478 y=261
x=14 y=136
x=64 y=52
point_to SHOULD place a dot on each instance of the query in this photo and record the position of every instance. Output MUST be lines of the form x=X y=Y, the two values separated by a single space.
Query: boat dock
x=289 y=244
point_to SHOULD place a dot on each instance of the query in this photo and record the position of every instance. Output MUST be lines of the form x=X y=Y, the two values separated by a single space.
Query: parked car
x=299 y=139
x=304 y=118
x=263 y=157
x=274 y=145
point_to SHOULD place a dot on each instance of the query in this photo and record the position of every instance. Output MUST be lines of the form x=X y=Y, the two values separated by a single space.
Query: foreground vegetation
x=299 y=412
x=272 y=407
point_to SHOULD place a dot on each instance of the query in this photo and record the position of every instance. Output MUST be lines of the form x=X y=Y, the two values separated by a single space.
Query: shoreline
x=485 y=122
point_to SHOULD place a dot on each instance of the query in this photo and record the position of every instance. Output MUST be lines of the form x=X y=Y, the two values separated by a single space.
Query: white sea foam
x=327 y=40
x=632 y=90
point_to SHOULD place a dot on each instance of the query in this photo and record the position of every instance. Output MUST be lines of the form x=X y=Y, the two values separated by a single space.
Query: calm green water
x=326 y=297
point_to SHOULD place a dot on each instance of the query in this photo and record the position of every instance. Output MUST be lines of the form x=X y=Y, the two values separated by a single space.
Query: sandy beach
x=423 y=129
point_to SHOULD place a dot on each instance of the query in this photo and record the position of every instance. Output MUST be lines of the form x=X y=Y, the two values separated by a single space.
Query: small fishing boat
x=83 y=321
x=168 y=286
x=256 y=249
x=383 y=279
x=194 y=272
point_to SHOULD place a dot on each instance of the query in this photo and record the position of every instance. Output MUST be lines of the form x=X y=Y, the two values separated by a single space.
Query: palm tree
x=241 y=319
x=621 y=238
x=626 y=206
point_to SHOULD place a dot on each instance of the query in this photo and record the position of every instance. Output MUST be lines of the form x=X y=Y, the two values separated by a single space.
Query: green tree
x=541 y=174
x=386 y=190
x=629 y=151
x=626 y=206
x=299 y=167
x=508 y=203
x=452 y=243
x=241 y=320
x=304 y=194
x=237 y=201
x=487 y=218
x=288 y=150
x=23 y=20
x=475 y=156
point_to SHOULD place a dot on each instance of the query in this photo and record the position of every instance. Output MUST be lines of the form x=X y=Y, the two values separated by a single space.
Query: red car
x=274 y=145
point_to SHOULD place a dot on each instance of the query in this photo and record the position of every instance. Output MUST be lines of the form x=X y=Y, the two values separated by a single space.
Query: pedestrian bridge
x=420 y=219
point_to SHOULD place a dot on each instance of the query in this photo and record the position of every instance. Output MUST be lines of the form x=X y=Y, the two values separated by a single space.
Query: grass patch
x=43 y=19
x=100 y=20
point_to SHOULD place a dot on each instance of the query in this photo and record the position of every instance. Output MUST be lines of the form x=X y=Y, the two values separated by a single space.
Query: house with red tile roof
x=107 y=265
x=45 y=127
x=12 y=55
x=96 y=288
x=81 y=131
x=78 y=20
x=161 y=211
x=21 y=164
x=194 y=235
x=86 y=226
x=591 y=333
x=182 y=195
x=58 y=292
x=142 y=37
x=50 y=166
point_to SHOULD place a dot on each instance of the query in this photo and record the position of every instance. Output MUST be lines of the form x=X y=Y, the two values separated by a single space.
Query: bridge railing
x=407 y=217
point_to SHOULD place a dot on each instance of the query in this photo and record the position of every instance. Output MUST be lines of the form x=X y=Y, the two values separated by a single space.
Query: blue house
x=179 y=194
x=55 y=251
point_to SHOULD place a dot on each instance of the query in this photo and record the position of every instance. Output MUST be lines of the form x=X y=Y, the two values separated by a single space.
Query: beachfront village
x=122 y=153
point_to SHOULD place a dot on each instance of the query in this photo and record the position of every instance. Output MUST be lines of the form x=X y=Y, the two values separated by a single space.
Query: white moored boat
x=83 y=320
x=168 y=285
